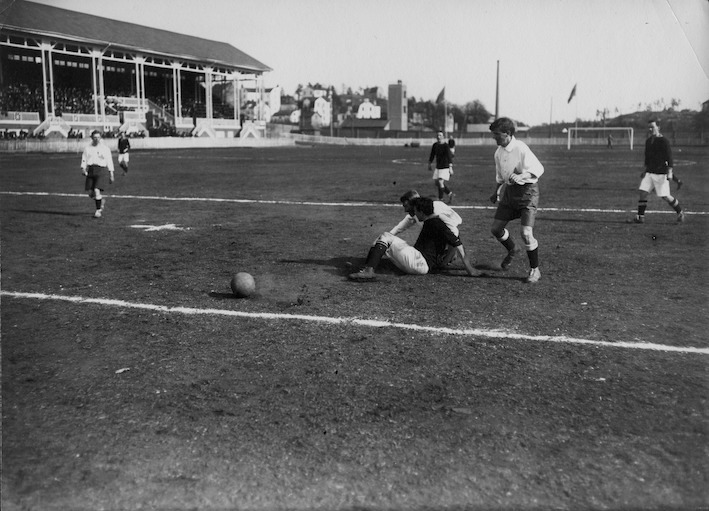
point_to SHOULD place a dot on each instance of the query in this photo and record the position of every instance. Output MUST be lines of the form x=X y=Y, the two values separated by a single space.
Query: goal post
x=626 y=132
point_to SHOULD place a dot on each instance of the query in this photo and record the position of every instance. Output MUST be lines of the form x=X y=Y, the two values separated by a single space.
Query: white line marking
x=341 y=204
x=474 y=332
x=164 y=227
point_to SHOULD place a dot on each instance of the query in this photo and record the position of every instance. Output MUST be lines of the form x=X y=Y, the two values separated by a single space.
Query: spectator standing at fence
x=96 y=162
x=657 y=174
x=123 y=152
x=441 y=152
x=517 y=172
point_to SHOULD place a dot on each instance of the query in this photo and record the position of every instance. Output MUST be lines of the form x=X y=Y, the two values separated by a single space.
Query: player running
x=441 y=152
x=517 y=172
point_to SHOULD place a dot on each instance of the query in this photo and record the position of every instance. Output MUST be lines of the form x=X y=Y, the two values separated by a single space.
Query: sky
x=620 y=54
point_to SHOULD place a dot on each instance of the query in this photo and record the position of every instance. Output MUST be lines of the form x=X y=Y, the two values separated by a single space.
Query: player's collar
x=509 y=147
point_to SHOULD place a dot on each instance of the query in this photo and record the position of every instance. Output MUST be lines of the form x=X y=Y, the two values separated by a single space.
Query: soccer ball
x=243 y=285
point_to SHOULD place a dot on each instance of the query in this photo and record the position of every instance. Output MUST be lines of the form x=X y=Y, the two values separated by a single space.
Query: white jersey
x=516 y=158
x=441 y=210
x=99 y=155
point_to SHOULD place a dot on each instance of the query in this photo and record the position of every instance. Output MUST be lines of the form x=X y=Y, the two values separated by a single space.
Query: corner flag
x=573 y=93
x=441 y=96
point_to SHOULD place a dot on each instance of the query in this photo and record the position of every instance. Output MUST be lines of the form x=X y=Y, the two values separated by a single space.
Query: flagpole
x=497 y=91
x=577 y=117
x=445 y=116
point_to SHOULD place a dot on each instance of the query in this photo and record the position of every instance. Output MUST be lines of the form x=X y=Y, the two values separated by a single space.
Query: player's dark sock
x=375 y=254
x=509 y=244
x=642 y=206
x=533 y=258
x=675 y=205
x=98 y=203
x=441 y=193
x=446 y=190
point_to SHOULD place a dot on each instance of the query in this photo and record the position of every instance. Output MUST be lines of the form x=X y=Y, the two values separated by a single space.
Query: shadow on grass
x=230 y=296
x=585 y=220
x=346 y=265
x=60 y=213
x=337 y=265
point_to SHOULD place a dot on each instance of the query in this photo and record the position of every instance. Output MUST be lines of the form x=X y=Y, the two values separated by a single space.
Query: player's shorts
x=519 y=201
x=404 y=256
x=95 y=178
x=444 y=174
x=123 y=157
x=657 y=182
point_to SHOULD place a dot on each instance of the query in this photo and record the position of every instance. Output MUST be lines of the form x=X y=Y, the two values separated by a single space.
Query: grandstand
x=64 y=73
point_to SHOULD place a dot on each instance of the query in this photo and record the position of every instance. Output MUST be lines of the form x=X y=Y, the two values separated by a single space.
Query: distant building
x=368 y=110
x=314 y=91
x=398 y=107
x=322 y=113
x=272 y=98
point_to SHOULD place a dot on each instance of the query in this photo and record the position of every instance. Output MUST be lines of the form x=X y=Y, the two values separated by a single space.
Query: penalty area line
x=468 y=332
x=333 y=204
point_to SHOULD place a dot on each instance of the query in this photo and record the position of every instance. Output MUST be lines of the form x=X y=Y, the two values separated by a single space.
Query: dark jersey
x=442 y=153
x=123 y=145
x=658 y=155
x=435 y=236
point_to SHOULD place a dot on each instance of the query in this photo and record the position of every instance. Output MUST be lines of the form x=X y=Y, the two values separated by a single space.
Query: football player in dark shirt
x=657 y=174
x=123 y=152
x=442 y=153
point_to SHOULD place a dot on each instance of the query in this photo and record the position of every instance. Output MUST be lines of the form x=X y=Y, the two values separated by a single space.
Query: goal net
x=600 y=136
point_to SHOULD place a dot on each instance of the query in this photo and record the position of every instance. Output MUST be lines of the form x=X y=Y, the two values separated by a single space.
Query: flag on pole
x=573 y=93
x=441 y=96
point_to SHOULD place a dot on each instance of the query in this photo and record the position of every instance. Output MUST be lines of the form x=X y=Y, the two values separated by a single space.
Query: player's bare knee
x=385 y=238
x=528 y=238
x=97 y=194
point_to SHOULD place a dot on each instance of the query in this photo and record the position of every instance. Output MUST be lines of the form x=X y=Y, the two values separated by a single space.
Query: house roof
x=51 y=22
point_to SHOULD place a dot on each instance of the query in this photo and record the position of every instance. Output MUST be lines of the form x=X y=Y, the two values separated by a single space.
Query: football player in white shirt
x=517 y=172
x=95 y=161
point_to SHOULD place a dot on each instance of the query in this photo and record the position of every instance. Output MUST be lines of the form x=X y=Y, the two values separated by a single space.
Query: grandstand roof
x=51 y=22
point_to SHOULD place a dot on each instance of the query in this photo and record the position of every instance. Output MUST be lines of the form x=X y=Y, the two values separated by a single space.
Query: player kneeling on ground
x=435 y=247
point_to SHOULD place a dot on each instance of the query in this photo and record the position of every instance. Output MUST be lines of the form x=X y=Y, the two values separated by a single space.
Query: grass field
x=133 y=379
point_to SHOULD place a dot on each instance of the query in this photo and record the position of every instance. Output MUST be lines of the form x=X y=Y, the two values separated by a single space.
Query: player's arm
x=496 y=195
x=460 y=251
x=668 y=159
x=528 y=168
x=455 y=246
x=109 y=164
x=84 y=163
x=407 y=222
